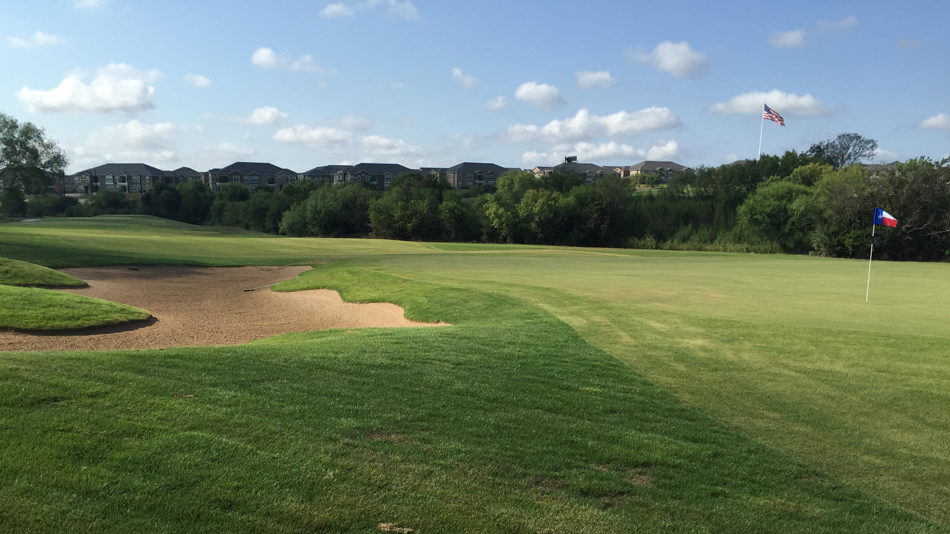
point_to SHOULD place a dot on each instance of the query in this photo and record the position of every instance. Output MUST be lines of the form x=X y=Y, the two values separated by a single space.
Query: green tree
x=844 y=150
x=27 y=159
x=782 y=212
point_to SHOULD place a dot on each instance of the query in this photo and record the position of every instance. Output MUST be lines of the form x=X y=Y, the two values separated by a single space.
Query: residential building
x=251 y=174
x=665 y=169
x=466 y=175
x=121 y=177
x=378 y=174
x=331 y=174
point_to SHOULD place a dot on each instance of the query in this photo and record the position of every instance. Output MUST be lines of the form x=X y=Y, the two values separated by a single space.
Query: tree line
x=815 y=202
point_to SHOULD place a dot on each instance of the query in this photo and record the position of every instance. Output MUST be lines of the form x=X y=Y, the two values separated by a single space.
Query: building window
x=235 y=178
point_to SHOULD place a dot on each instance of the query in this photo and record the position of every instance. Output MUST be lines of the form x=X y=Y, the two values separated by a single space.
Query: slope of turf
x=781 y=348
x=21 y=273
x=27 y=308
x=505 y=422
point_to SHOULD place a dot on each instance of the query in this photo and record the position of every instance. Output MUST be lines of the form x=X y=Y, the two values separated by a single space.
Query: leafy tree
x=47 y=205
x=26 y=157
x=410 y=208
x=110 y=202
x=846 y=149
x=331 y=211
x=196 y=202
x=459 y=221
x=783 y=212
x=161 y=200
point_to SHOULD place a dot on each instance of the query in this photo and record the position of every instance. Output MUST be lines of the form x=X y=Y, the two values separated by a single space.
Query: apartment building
x=466 y=175
x=251 y=174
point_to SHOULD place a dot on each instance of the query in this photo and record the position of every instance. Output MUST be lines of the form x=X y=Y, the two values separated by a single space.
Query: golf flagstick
x=868 y=294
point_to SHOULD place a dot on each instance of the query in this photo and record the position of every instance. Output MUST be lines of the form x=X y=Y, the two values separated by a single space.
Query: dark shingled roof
x=650 y=166
x=380 y=168
x=247 y=167
x=580 y=167
x=132 y=169
x=186 y=171
x=475 y=167
x=326 y=170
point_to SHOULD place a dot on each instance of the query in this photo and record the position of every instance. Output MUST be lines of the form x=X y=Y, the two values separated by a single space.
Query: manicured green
x=21 y=273
x=782 y=350
x=27 y=308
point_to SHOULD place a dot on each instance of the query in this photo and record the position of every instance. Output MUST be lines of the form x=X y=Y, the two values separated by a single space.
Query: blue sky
x=307 y=83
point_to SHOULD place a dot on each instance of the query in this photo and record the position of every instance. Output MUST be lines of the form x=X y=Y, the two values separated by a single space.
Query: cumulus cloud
x=792 y=39
x=676 y=58
x=266 y=58
x=392 y=148
x=885 y=156
x=940 y=121
x=117 y=88
x=131 y=141
x=496 y=103
x=353 y=122
x=266 y=115
x=323 y=137
x=37 y=39
x=198 y=81
x=584 y=125
x=662 y=151
x=539 y=94
x=88 y=5
x=784 y=103
x=226 y=152
x=398 y=8
x=467 y=81
x=587 y=79
x=845 y=23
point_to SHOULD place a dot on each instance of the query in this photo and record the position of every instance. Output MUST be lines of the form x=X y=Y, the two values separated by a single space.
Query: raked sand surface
x=195 y=306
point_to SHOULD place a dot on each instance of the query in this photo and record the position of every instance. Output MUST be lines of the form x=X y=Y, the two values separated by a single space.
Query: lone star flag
x=773 y=115
x=883 y=218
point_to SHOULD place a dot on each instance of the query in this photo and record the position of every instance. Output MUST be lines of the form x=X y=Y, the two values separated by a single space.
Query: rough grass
x=507 y=421
x=21 y=273
x=26 y=308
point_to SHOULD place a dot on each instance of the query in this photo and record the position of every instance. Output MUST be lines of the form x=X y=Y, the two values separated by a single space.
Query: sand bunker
x=195 y=306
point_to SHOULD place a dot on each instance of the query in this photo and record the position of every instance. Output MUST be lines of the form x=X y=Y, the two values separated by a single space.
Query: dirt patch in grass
x=196 y=306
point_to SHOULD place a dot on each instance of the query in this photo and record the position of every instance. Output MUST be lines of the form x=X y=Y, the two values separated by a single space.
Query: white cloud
x=266 y=115
x=333 y=11
x=324 y=137
x=266 y=58
x=585 y=152
x=908 y=44
x=676 y=58
x=784 y=103
x=198 y=80
x=587 y=79
x=89 y=5
x=539 y=94
x=117 y=88
x=352 y=122
x=885 y=156
x=496 y=103
x=226 y=152
x=847 y=22
x=792 y=39
x=583 y=125
x=131 y=141
x=394 y=148
x=37 y=39
x=467 y=81
x=399 y=8
x=940 y=121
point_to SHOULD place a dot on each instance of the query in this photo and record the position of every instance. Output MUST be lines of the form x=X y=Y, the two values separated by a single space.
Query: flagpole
x=868 y=294
x=761 y=128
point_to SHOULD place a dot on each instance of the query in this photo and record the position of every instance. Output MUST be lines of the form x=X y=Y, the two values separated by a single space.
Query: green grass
x=788 y=403
x=513 y=424
x=27 y=308
x=21 y=273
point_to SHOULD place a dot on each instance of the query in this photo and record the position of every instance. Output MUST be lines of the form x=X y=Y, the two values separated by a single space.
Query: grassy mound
x=21 y=273
x=505 y=422
x=25 y=308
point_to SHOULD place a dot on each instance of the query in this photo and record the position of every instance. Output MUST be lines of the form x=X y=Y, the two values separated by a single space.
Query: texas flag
x=884 y=218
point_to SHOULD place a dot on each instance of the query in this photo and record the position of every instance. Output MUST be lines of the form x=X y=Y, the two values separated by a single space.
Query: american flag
x=773 y=115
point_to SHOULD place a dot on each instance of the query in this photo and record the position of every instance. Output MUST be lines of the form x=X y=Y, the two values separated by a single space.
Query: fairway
x=820 y=412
